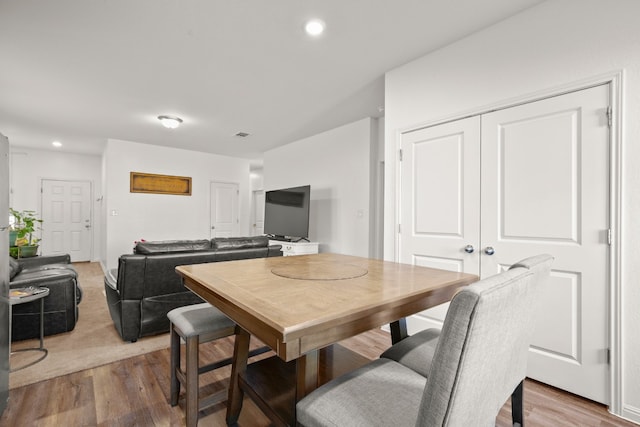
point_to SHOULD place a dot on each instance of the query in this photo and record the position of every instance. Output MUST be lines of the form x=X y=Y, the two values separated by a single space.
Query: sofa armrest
x=38 y=261
x=41 y=278
x=274 y=250
x=111 y=279
x=131 y=276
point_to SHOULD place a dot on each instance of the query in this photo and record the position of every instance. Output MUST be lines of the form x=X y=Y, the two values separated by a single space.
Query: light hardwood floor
x=135 y=392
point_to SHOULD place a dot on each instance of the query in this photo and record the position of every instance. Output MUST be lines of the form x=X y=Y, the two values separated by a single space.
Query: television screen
x=286 y=213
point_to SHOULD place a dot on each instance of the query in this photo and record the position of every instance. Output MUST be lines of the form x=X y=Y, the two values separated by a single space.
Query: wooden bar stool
x=195 y=324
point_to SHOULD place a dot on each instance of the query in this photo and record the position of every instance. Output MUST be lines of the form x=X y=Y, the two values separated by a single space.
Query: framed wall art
x=160 y=184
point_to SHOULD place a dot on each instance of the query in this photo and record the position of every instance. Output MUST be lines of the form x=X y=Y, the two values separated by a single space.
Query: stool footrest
x=212 y=399
x=224 y=362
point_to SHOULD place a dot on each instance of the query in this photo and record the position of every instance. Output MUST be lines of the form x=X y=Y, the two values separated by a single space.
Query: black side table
x=22 y=296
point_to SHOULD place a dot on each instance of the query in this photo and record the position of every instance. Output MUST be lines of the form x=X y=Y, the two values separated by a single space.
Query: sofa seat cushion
x=229 y=243
x=171 y=246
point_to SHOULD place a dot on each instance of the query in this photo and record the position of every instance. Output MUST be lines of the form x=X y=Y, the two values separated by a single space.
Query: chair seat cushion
x=392 y=398
x=415 y=352
x=198 y=319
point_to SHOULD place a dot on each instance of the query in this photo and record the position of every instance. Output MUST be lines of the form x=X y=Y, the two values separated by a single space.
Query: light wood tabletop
x=302 y=303
x=299 y=305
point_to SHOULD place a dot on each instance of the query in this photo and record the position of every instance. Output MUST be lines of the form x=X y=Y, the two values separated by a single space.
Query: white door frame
x=615 y=79
x=253 y=219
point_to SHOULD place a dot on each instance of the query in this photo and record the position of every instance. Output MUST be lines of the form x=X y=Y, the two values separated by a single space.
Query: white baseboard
x=630 y=413
x=103 y=267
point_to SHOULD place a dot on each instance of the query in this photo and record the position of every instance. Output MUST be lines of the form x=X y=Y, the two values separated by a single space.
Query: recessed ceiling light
x=170 y=122
x=314 y=27
x=56 y=144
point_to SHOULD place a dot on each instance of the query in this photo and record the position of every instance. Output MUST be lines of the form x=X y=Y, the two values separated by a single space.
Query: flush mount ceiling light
x=314 y=27
x=170 y=122
x=57 y=144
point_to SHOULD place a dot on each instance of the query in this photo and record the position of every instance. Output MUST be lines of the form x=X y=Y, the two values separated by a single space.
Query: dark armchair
x=60 y=306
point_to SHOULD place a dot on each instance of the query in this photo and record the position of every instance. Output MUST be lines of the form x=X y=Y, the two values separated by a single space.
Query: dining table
x=301 y=307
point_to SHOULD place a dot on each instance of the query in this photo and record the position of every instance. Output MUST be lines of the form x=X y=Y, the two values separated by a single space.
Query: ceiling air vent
x=242 y=134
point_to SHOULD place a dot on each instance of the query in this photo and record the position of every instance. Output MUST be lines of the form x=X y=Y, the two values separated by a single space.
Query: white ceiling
x=84 y=71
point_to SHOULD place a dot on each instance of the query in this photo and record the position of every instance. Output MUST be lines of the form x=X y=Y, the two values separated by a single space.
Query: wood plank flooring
x=135 y=392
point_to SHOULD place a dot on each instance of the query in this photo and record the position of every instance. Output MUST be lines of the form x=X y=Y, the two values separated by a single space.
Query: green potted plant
x=25 y=223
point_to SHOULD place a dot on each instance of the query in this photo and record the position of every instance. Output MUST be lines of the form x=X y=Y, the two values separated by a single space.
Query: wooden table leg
x=398 y=330
x=306 y=375
x=238 y=367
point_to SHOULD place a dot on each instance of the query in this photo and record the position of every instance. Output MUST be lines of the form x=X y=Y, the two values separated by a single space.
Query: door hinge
x=609 y=116
x=609 y=237
x=399 y=231
x=400 y=154
x=607 y=352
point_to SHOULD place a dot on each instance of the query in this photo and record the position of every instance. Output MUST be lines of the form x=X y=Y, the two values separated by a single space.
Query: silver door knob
x=469 y=249
x=489 y=250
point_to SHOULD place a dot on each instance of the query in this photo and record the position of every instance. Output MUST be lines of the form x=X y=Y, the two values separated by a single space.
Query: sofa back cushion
x=171 y=246
x=160 y=277
x=227 y=243
x=237 y=254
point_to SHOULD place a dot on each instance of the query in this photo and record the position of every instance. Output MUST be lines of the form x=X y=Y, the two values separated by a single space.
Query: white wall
x=336 y=164
x=158 y=216
x=555 y=44
x=257 y=179
x=28 y=167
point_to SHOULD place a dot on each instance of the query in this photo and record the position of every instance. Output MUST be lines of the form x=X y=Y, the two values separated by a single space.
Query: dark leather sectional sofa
x=145 y=286
x=60 y=306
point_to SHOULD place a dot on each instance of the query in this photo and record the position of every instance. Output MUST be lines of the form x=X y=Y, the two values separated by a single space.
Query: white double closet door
x=481 y=193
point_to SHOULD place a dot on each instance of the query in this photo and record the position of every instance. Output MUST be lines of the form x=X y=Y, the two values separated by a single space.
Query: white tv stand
x=296 y=248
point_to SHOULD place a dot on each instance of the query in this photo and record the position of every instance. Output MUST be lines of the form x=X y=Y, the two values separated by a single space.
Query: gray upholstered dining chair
x=416 y=352
x=477 y=363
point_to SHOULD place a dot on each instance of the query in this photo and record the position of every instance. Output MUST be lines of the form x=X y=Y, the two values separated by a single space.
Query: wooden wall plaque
x=160 y=184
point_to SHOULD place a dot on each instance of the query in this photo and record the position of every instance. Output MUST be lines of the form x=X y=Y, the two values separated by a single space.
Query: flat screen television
x=286 y=213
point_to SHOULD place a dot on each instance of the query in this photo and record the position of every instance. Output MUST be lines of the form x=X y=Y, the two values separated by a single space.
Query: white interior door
x=545 y=189
x=258 y=213
x=542 y=171
x=224 y=209
x=441 y=203
x=66 y=216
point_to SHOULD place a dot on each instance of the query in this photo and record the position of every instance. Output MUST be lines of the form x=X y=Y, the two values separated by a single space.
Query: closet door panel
x=536 y=171
x=440 y=190
x=545 y=189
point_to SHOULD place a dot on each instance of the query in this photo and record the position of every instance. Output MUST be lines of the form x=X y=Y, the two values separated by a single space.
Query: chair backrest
x=482 y=350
